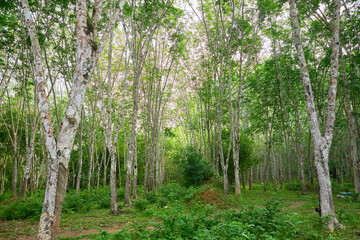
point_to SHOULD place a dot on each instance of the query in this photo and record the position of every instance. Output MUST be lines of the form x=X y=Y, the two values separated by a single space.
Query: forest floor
x=93 y=223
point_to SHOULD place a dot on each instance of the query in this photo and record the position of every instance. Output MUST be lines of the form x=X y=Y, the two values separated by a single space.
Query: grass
x=181 y=207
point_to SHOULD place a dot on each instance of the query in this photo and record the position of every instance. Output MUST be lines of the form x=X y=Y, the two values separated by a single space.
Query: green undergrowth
x=205 y=213
x=30 y=207
x=206 y=222
x=176 y=212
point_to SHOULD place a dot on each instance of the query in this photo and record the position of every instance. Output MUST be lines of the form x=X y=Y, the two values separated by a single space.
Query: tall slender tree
x=322 y=142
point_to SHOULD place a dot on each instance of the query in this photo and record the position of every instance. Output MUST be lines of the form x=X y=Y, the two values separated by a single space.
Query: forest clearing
x=179 y=119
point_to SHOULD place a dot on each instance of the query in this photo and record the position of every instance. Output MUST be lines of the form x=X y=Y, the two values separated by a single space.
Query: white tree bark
x=352 y=128
x=30 y=144
x=78 y=177
x=60 y=149
x=321 y=142
x=135 y=173
x=132 y=142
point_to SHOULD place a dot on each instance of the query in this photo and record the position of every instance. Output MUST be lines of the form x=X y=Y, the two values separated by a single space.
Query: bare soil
x=110 y=229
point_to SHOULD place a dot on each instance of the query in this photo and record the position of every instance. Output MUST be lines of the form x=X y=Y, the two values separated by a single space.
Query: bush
x=206 y=223
x=120 y=193
x=87 y=199
x=152 y=196
x=141 y=204
x=23 y=208
x=266 y=222
x=5 y=196
x=162 y=202
x=195 y=170
x=294 y=186
x=173 y=191
x=74 y=202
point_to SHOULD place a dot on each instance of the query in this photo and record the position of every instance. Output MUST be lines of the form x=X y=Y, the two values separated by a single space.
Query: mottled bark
x=300 y=151
x=251 y=177
x=135 y=174
x=147 y=155
x=60 y=149
x=274 y=171
x=105 y=162
x=113 y=206
x=352 y=127
x=47 y=219
x=78 y=177
x=30 y=145
x=3 y=167
x=321 y=142
x=132 y=142
x=14 y=178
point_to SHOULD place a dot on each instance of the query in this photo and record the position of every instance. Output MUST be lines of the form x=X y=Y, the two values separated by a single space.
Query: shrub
x=141 y=204
x=74 y=202
x=173 y=191
x=294 y=186
x=194 y=169
x=5 y=196
x=23 y=208
x=162 y=202
x=206 y=223
x=152 y=196
x=120 y=193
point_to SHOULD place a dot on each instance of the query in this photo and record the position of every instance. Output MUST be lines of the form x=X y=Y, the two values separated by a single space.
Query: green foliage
x=206 y=223
x=87 y=199
x=5 y=196
x=195 y=170
x=169 y=193
x=141 y=204
x=152 y=196
x=74 y=202
x=173 y=191
x=266 y=222
x=346 y=187
x=120 y=193
x=294 y=186
x=23 y=208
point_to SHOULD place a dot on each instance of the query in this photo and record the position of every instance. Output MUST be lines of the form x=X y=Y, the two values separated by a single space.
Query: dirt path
x=77 y=233
x=294 y=205
x=112 y=229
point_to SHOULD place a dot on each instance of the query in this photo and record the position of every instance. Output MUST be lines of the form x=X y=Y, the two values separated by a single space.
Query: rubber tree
x=321 y=141
x=87 y=53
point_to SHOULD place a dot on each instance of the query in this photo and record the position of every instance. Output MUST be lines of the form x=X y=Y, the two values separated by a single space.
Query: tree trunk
x=132 y=143
x=91 y=152
x=251 y=177
x=114 y=206
x=352 y=128
x=135 y=174
x=322 y=143
x=78 y=179
x=3 y=176
x=325 y=192
x=274 y=171
x=60 y=150
x=300 y=152
x=30 y=146
x=15 y=170
x=237 y=178
x=105 y=165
